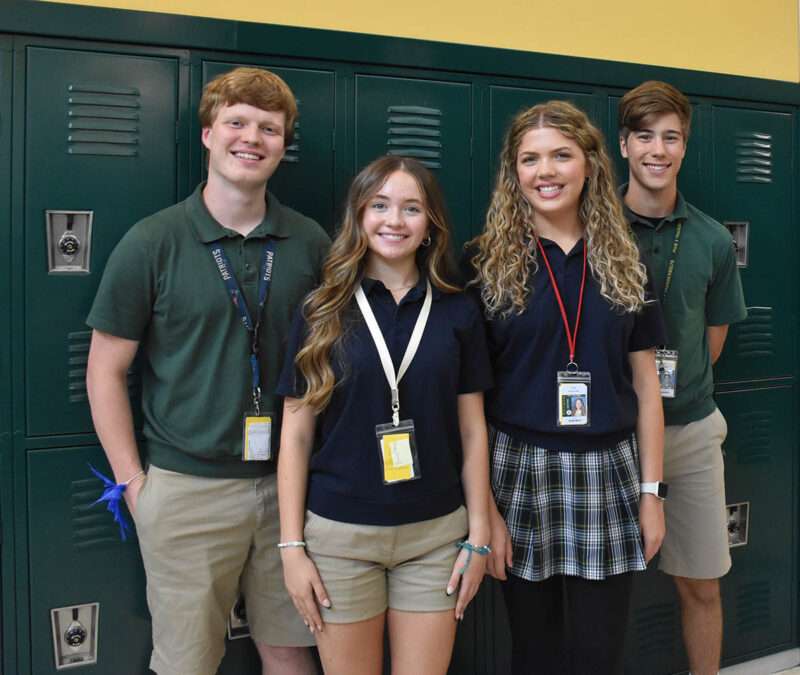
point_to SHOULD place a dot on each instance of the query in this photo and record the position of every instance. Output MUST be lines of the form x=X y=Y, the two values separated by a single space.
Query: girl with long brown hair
x=575 y=415
x=383 y=442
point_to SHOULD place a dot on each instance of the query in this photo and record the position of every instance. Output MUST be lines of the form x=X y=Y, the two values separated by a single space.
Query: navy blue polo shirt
x=528 y=350
x=345 y=472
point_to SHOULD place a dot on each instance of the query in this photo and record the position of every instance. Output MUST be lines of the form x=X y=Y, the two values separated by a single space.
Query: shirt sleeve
x=649 y=329
x=475 y=370
x=125 y=298
x=291 y=382
x=725 y=298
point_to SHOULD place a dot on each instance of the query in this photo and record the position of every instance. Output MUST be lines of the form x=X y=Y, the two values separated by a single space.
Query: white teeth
x=246 y=155
x=393 y=237
x=549 y=188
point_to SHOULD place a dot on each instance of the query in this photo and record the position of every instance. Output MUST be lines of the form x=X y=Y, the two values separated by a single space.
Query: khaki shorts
x=696 y=544
x=199 y=538
x=367 y=568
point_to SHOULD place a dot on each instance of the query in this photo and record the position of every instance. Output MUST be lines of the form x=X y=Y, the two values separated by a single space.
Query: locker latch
x=75 y=635
x=740 y=231
x=69 y=238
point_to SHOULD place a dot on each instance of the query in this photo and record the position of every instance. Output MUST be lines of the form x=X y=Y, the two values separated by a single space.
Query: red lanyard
x=572 y=337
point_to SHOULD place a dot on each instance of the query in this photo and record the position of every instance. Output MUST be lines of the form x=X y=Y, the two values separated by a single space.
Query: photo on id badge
x=573 y=404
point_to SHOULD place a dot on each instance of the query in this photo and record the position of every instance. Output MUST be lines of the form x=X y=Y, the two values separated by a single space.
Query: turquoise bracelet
x=470 y=549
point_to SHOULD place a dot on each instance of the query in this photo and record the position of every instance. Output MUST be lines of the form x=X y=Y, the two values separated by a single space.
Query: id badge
x=574 y=389
x=398 y=450
x=667 y=364
x=257 y=440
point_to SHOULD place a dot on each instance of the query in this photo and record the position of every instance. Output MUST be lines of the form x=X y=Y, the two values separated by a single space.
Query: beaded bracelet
x=470 y=549
x=292 y=544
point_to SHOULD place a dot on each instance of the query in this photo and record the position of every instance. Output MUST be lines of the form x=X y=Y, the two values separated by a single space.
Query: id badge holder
x=574 y=402
x=667 y=365
x=257 y=438
x=398 y=450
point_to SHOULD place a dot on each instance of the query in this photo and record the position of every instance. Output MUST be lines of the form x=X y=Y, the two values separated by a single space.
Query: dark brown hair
x=652 y=98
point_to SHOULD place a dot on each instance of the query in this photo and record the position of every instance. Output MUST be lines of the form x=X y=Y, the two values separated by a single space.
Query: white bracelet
x=292 y=544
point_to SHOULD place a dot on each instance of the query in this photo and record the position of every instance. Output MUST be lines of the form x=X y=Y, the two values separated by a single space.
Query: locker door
x=759 y=472
x=690 y=179
x=6 y=521
x=100 y=136
x=76 y=557
x=425 y=119
x=304 y=179
x=753 y=184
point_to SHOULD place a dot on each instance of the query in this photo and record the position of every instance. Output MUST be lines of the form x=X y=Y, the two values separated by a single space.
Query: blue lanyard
x=237 y=297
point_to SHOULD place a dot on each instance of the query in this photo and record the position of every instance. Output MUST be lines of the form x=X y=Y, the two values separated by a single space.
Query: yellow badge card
x=257 y=442
x=398 y=460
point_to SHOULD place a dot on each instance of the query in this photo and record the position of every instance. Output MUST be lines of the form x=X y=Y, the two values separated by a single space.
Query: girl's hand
x=467 y=583
x=305 y=586
x=500 y=557
x=651 y=524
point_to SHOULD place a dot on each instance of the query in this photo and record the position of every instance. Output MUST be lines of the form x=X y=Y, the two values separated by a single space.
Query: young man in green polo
x=204 y=291
x=692 y=263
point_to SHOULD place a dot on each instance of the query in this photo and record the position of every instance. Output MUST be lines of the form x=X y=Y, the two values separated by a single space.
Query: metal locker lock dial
x=69 y=244
x=69 y=241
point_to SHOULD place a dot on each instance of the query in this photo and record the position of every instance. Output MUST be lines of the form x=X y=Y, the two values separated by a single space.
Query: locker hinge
x=177 y=135
x=333 y=139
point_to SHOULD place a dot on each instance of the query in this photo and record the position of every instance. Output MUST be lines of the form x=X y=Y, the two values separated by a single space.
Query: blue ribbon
x=112 y=495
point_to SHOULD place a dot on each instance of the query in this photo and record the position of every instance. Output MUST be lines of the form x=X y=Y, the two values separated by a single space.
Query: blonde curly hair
x=506 y=254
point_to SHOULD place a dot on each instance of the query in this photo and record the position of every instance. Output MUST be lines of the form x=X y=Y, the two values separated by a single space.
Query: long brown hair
x=344 y=267
x=506 y=250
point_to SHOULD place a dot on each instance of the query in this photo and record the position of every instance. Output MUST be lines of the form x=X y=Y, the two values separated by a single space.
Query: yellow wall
x=741 y=37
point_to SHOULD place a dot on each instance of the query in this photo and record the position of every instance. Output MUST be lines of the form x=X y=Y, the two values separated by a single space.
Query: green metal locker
x=426 y=119
x=305 y=178
x=100 y=137
x=7 y=645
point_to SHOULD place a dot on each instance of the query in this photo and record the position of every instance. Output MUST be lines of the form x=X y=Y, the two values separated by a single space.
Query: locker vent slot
x=753 y=157
x=415 y=131
x=754 y=439
x=77 y=357
x=292 y=155
x=656 y=627
x=92 y=526
x=754 y=335
x=102 y=120
x=753 y=606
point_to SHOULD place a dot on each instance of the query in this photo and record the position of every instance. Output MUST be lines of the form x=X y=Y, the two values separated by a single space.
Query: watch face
x=663 y=488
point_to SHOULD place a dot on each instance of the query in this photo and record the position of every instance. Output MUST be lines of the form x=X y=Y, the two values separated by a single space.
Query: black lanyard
x=237 y=297
x=671 y=263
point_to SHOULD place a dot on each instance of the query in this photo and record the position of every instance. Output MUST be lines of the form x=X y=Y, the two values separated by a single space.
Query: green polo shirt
x=705 y=291
x=162 y=287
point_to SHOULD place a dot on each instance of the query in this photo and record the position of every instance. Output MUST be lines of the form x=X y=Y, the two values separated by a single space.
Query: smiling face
x=551 y=170
x=245 y=145
x=654 y=153
x=395 y=221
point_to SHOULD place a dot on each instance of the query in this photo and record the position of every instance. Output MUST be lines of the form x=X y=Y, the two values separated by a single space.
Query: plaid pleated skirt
x=570 y=513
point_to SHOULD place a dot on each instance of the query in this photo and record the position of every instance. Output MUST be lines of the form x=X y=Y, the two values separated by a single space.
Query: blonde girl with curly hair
x=383 y=469
x=576 y=429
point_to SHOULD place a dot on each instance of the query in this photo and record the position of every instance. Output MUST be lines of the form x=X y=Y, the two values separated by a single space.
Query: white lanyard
x=383 y=351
